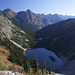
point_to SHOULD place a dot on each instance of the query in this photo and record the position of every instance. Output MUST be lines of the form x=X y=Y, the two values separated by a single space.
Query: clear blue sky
x=65 y=7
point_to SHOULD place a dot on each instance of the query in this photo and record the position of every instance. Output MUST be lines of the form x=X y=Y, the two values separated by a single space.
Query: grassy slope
x=4 y=62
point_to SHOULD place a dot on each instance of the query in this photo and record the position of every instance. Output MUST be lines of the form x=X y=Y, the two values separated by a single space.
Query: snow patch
x=18 y=45
x=26 y=44
x=23 y=32
x=27 y=40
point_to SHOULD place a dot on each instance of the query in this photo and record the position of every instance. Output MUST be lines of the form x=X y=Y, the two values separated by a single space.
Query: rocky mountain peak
x=28 y=10
x=20 y=14
x=30 y=13
x=6 y=10
x=9 y=13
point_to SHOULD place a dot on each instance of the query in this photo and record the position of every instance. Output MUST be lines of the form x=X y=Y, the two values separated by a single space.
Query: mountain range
x=25 y=20
x=54 y=18
x=28 y=20
x=54 y=33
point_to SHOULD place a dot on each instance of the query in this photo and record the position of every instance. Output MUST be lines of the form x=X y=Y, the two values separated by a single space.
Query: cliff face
x=5 y=27
x=25 y=20
x=9 y=30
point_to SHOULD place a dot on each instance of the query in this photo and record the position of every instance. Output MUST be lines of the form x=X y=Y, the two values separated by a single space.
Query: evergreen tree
x=35 y=65
x=49 y=68
x=27 y=66
x=44 y=67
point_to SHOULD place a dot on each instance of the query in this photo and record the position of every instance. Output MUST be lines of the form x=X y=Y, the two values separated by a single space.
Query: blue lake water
x=43 y=55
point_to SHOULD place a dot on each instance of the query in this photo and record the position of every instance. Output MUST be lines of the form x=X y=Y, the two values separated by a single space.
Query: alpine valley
x=28 y=39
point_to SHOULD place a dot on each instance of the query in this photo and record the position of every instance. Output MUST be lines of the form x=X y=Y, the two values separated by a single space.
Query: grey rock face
x=25 y=20
x=5 y=27
x=12 y=32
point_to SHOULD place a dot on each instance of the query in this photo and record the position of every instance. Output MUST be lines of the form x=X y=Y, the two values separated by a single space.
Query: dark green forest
x=17 y=55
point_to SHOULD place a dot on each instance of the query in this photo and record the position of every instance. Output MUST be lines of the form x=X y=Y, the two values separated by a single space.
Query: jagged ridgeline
x=12 y=32
x=28 y=20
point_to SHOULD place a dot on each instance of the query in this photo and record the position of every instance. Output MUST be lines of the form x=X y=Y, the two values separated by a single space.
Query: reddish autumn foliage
x=1 y=69
x=18 y=65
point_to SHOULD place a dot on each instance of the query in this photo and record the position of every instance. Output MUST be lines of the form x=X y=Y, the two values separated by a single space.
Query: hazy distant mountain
x=51 y=18
x=55 y=18
x=64 y=17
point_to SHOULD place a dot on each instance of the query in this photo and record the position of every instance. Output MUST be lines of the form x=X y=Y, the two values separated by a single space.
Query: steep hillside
x=5 y=64
x=16 y=42
x=58 y=37
x=9 y=30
